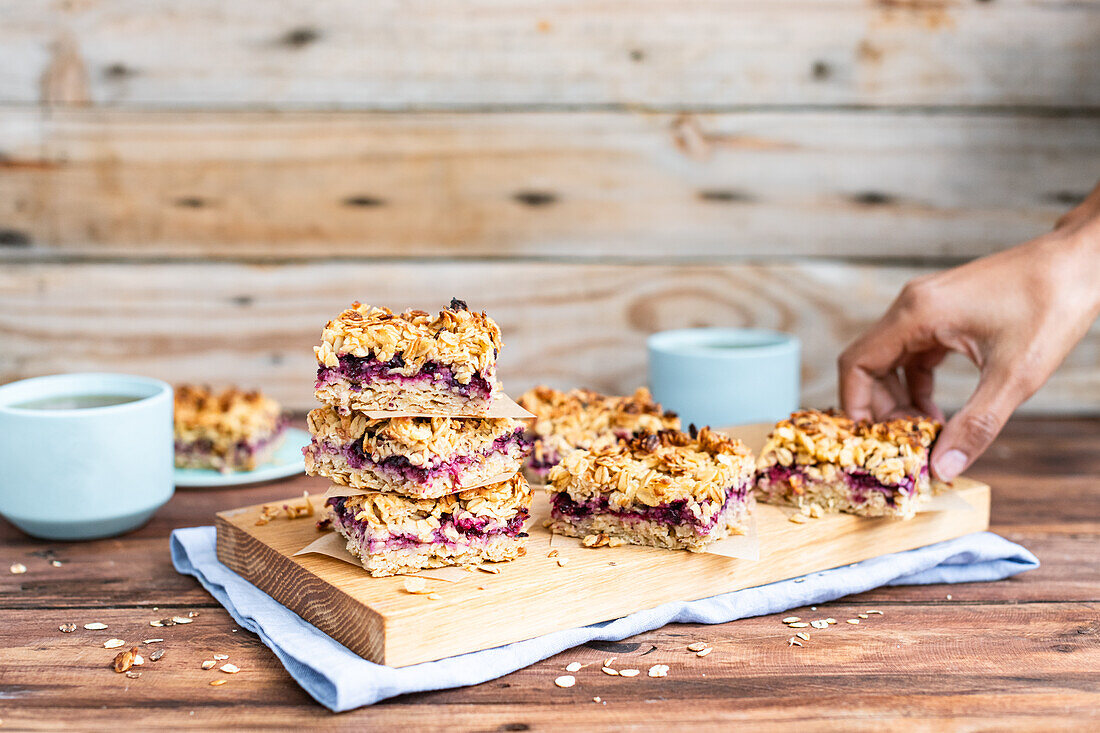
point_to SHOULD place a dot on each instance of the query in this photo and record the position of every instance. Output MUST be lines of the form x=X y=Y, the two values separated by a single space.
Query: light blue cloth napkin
x=340 y=680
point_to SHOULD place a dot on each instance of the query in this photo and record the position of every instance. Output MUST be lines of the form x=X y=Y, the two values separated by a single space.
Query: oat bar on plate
x=372 y=359
x=581 y=418
x=665 y=489
x=424 y=457
x=231 y=430
x=826 y=462
x=392 y=534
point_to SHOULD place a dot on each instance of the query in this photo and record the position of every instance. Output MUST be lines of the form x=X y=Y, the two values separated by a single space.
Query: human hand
x=1015 y=314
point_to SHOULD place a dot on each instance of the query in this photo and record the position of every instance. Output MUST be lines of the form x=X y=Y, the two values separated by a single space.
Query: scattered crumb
x=704 y=652
x=573 y=667
x=113 y=643
x=566 y=680
x=853 y=620
x=229 y=668
x=67 y=628
x=218 y=683
x=55 y=563
x=416 y=585
x=608 y=670
x=791 y=620
x=552 y=553
x=607 y=662
x=563 y=561
x=793 y=642
x=798 y=625
x=157 y=654
x=182 y=619
x=221 y=657
x=138 y=659
x=629 y=672
x=133 y=675
x=152 y=641
x=658 y=670
x=209 y=664
x=830 y=621
x=96 y=626
x=18 y=568
x=820 y=624
x=124 y=660
x=596 y=699
x=949 y=596
x=803 y=636
x=879 y=613
x=434 y=596
x=697 y=646
x=487 y=569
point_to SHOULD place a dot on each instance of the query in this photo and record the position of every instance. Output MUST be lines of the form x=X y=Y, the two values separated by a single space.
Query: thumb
x=967 y=435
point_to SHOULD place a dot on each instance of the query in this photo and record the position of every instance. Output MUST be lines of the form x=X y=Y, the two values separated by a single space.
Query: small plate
x=287 y=461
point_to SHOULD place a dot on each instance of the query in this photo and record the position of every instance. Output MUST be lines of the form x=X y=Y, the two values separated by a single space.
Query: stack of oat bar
x=423 y=475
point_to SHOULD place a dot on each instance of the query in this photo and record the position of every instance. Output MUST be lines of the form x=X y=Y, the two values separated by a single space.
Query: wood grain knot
x=873 y=198
x=190 y=202
x=535 y=198
x=614 y=647
x=725 y=196
x=363 y=201
x=14 y=238
x=1065 y=198
x=118 y=71
x=299 y=37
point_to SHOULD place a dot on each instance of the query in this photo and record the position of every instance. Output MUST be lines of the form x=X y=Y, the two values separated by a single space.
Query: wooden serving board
x=377 y=619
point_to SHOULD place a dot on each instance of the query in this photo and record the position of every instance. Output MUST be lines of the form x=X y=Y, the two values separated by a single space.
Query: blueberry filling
x=401 y=467
x=362 y=370
x=861 y=483
x=673 y=513
x=473 y=528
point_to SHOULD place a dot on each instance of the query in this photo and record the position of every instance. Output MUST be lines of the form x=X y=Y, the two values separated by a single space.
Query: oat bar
x=582 y=418
x=424 y=457
x=231 y=430
x=826 y=462
x=665 y=489
x=372 y=359
x=392 y=534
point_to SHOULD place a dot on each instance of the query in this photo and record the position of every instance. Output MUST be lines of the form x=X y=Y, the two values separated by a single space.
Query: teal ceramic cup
x=84 y=456
x=725 y=376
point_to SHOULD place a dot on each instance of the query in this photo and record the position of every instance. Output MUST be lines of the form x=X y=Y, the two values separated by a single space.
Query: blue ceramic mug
x=725 y=376
x=84 y=456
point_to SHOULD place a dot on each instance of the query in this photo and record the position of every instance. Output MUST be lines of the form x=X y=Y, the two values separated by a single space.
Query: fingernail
x=950 y=464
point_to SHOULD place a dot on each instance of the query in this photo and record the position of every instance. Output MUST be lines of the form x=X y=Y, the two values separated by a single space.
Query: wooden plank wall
x=190 y=191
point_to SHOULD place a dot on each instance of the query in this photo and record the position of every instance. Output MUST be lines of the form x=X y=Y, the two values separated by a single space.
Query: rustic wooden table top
x=1020 y=653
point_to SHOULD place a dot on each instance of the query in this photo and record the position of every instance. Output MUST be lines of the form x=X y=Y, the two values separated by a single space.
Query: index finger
x=870 y=358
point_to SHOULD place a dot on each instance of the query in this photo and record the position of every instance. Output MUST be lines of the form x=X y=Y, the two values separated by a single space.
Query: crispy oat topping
x=224 y=418
x=656 y=468
x=421 y=517
x=826 y=440
x=464 y=340
x=423 y=440
x=582 y=418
